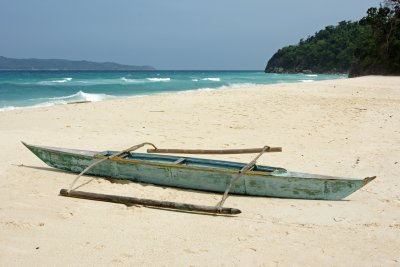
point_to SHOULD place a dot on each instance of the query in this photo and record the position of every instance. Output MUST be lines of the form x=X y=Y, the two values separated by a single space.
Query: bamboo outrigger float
x=195 y=173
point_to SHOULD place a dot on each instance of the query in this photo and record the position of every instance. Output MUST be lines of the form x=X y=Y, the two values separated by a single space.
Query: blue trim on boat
x=188 y=161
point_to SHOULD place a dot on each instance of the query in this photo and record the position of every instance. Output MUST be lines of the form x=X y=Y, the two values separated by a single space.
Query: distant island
x=62 y=64
x=366 y=47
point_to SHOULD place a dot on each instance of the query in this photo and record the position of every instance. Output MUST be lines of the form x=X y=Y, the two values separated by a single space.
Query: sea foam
x=82 y=96
x=130 y=80
x=158 y=79
x=212 y=79
x=52 y=101
x=41 y=105
x=79 y=96
x=239 y=85
x=7 y=108
x=64 y=80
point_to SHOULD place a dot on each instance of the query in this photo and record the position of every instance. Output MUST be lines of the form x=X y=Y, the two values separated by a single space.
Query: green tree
x=329 y=50
x=380 y=53
x=370 y=46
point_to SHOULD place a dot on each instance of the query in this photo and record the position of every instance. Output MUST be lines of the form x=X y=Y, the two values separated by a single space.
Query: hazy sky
x=167 y=34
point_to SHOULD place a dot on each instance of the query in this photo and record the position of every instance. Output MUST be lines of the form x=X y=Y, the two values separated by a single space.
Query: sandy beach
x=344 y=127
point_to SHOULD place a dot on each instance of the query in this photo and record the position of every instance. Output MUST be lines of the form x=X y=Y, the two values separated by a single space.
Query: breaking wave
x=82 y=96
x=52 y=101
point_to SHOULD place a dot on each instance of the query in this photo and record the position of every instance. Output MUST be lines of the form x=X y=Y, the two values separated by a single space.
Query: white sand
x=348 y=127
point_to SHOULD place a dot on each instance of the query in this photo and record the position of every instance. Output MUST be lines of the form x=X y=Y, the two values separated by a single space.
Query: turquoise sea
x=21 y=89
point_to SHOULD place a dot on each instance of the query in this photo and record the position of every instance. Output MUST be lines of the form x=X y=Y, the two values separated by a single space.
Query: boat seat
x=180 y=160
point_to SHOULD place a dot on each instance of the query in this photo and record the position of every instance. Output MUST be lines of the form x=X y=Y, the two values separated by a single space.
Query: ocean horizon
x=29 y=89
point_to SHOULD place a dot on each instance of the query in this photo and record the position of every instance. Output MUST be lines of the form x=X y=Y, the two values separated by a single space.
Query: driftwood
x=216 y=151
x=148 y=202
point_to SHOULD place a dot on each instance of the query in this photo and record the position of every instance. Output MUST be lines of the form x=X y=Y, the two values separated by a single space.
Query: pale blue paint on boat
x=202 y=174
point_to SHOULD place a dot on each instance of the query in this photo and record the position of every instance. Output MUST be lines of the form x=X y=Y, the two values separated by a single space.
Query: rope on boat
x=219 y=207
x=109 y=157
x=245 y=169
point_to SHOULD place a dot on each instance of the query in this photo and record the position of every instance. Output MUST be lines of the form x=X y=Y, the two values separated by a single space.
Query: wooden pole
x=148 y=202
x=212 y=151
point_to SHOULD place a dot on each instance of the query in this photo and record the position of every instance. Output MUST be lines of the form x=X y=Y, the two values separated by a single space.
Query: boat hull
x=275 y=183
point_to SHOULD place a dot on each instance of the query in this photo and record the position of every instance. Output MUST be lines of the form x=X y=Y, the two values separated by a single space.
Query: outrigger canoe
x=201 y=174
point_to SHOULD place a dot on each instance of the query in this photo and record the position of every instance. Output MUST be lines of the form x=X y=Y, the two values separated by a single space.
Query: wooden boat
x=201 y=174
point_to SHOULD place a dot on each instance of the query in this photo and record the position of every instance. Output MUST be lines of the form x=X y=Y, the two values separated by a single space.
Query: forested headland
x=365 y=47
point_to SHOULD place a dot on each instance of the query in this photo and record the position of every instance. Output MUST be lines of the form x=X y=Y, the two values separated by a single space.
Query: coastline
x=21 y=90
x=343 y=127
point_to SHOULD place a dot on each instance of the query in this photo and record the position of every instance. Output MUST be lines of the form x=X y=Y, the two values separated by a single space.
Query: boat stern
x=62 y=158
x=368 y=179
x=34 y=149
